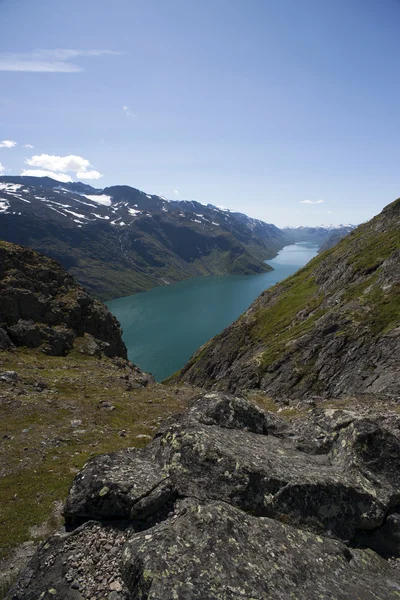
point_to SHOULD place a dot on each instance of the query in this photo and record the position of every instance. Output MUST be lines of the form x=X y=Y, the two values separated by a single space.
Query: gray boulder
x=230 y=501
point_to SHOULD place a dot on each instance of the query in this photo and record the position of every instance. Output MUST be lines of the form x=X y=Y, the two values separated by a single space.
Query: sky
x=286 y=110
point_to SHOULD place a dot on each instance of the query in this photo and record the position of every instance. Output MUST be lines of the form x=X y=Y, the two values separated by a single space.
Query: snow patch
x=4 y=204
x=100 y=216
x=100 y=199
x=78 y=215
x=133 y=211
x=10 y=187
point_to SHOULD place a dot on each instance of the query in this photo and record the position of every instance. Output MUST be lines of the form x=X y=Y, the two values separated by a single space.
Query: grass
x=278 y=323
x=41 y=449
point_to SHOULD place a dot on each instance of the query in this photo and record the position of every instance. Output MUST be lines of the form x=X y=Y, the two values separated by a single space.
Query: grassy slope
x=292 y=308
x=40 y=451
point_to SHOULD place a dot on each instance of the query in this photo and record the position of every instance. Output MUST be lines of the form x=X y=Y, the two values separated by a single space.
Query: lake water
x=163 y=328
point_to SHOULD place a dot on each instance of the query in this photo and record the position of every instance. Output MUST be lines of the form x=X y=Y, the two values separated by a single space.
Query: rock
x=115 y=586
x=41 y=305
x=218 y=552
x=9 y=376
x=221 y=448
x=5 y=342
x=230 y=501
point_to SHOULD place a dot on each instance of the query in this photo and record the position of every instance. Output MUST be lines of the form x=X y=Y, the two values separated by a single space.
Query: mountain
x=331 y=330
x=118 y=240
x=319 y=235
x=335 y=237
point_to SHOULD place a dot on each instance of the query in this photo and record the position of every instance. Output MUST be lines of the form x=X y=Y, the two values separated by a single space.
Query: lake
x=163 y=328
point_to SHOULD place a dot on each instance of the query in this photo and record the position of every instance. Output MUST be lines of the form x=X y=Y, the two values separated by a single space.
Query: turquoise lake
x=163 y=328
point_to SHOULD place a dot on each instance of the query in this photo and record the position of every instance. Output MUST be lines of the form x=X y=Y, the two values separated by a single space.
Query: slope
x=332 y=329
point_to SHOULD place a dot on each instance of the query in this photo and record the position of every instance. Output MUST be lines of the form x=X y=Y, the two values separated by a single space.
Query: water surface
x=163 y=328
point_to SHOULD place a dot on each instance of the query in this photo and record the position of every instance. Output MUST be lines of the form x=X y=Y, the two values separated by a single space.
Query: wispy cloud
x=59 y=167
x=2 y=169
x=128 y=111
x=311 y=202
x=7 y=144
x=58 y=60
x=176 y=192
x=27 y=146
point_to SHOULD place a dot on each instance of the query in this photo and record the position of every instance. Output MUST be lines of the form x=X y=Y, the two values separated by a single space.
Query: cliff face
x=42 y=306
x=329 y=330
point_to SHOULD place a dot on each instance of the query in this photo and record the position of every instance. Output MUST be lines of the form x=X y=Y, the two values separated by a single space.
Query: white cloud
x=89 y=174
x=48 y=61
x=176 y=192
x=27 y=146
x=7 y=144
x=42 y=173
x=2 y=169
x=63 y=165
x=312 y=202
x=127 y=111
x=330 y=212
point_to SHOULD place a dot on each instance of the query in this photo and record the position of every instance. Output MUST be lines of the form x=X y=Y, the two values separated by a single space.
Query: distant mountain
x=319 y=234
x=119 y=240
x=335 y=237
x=331 y=329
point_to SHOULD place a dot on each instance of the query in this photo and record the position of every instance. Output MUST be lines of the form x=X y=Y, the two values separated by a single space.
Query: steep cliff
x=42 y=306
x=332 y=329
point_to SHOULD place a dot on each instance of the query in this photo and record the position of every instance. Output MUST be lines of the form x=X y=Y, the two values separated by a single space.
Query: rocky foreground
x=229 y=501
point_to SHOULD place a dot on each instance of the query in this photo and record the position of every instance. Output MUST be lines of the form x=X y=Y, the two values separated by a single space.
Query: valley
x=118 y=241
x=164 y=327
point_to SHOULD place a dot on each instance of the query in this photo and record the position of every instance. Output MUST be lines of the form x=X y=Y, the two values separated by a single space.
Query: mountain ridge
x=119 y=240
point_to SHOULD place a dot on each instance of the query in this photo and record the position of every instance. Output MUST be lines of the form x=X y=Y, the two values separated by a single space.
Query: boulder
x=230 y=501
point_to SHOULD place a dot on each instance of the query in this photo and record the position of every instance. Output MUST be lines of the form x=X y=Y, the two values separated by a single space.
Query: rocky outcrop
x=42 y=306
x=230 y=501
x=330 y=330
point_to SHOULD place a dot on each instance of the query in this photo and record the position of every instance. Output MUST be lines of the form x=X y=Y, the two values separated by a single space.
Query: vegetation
x=62 y=411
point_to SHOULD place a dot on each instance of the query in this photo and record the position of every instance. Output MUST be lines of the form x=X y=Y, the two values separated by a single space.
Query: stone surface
x=230 y=501
x=217 y=552
x=42 y=306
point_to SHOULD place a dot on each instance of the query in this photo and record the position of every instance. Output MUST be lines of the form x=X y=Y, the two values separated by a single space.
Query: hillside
x=119 y=240
x=66 y=392
x=331 y=329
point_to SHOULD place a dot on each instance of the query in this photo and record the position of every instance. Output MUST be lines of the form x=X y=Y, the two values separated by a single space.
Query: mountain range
x=119 y=240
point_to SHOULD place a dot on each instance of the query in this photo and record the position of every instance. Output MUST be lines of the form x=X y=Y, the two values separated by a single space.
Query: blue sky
x=255 y=105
